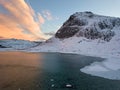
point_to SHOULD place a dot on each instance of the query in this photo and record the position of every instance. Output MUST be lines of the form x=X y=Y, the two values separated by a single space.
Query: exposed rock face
x=89 y=25
x=66 y=32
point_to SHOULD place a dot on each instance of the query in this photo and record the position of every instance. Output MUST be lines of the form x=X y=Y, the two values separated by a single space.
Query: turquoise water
x=49 y=71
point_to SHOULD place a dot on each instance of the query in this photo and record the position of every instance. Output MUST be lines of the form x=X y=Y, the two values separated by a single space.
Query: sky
x=35 y=19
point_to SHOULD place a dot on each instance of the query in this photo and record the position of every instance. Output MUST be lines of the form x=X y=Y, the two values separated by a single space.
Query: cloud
x=40 y=19
x=47 y=15
x=18 y=21
x=52 y=33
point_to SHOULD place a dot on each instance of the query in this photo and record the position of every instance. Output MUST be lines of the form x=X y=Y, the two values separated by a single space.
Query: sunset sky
x=30 y=19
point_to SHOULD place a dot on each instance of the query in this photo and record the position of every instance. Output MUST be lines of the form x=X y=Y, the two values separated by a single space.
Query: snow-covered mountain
x=86 y=33
x=89 y=34
x=89 y=25
x=13 y=44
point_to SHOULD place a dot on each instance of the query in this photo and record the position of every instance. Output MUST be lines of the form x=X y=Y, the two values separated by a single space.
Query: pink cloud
x=20 y=21
x=40 y=19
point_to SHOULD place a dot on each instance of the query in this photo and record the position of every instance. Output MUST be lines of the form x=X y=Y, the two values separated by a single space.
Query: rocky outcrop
x=66 y=32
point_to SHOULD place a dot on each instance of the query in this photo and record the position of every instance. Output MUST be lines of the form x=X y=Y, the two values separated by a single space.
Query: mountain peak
x=86 y=13
x=89 y=25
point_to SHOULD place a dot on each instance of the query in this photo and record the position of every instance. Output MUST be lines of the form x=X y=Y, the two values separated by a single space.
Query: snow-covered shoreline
x=89 y=48
x=109 y=68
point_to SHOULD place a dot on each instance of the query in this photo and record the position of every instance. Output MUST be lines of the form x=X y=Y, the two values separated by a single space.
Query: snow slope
x=89 y=34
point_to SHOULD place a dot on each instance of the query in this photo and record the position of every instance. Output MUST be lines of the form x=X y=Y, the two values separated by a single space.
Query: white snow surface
x=81 y=45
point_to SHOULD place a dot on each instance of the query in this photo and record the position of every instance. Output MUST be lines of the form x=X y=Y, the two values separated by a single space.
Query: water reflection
x=19 y=58
x=18 y=70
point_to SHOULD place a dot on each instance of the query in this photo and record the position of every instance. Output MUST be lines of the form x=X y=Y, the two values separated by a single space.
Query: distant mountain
x=17 y=44
x=86 y=33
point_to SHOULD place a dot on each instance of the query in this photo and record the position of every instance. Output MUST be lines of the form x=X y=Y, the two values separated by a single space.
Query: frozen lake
x=50 y=71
